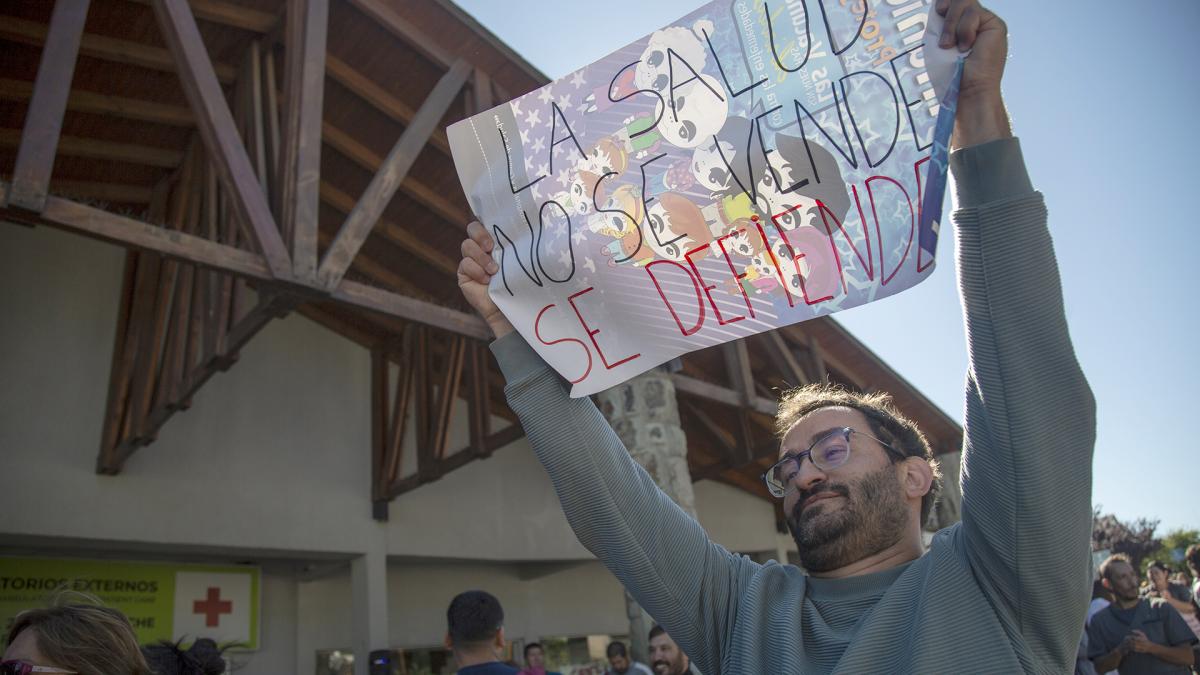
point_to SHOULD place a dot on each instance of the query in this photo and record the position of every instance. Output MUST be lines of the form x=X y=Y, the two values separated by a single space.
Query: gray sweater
x=1003 y=591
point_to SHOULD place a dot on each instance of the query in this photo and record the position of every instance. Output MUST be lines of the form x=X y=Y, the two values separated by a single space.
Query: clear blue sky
x=1104 y=97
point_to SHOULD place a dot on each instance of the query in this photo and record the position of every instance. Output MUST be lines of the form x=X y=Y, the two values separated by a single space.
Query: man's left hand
x=981 y=116
x=1142 y=644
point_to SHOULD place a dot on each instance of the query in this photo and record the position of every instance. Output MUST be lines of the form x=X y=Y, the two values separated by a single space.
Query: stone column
x=645 y=415
x=369 y=598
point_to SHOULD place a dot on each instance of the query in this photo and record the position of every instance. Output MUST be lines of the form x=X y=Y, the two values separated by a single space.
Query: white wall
x=273 y=460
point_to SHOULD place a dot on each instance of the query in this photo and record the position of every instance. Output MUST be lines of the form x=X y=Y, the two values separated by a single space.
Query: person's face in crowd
x=1158 y=579
x=619 y=663
x=535 y=658
x=24 y=647
x=849 y=512
x=1122 y=581
x=666 y=657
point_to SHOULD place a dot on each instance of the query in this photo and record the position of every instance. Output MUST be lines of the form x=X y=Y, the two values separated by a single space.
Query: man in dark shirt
x=1135 y=635
x=475 y=634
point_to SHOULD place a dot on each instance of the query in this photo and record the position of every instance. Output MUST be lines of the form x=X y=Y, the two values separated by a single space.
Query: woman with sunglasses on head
x=78 y=638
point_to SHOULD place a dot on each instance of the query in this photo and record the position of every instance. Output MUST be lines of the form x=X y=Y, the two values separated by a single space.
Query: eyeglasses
x=24 y=668
x=828 y=452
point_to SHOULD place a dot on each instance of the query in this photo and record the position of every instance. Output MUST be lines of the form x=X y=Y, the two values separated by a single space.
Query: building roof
x=146 y=159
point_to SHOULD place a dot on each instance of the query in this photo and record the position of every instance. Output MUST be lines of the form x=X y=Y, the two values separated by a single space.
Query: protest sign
x=752 y=165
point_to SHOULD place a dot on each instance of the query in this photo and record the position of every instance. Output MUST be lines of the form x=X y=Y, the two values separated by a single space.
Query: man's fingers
x=471 y=270
x=968 y=28
x=479 y=233
x=953 y=14
x=942 y=6
x=472 y=251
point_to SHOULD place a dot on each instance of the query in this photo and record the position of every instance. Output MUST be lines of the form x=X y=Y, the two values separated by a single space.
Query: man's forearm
x=1108 y=662
x=1180 y=606
x=980 y=118
x=1180 y=655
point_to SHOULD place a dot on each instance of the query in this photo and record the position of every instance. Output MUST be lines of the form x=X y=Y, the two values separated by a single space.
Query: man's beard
x=871 y=519
x=668 y=667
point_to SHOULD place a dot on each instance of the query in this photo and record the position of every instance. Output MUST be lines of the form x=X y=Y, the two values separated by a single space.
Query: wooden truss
x=231 y=240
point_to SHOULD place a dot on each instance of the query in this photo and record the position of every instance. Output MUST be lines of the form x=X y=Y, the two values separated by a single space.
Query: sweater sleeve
x=660 y=554
x=1030 y=416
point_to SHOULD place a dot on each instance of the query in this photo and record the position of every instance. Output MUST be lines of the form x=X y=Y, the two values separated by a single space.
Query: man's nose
x=808 y=475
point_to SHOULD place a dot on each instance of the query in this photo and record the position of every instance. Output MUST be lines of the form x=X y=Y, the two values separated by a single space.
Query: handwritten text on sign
x=752 y=165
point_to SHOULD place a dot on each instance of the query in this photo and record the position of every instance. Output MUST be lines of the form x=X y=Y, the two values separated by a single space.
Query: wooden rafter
x=393 y=232
x=397 y=25
x=229 y=14
x=72 y=146
x=366 y=158
x=105 y=48
x=390 y=175
x=379 y=98
x=47 y=103
x=104 y=104
x=97 y=223
x=219 y=133
x=304 y=95
x=784 y=360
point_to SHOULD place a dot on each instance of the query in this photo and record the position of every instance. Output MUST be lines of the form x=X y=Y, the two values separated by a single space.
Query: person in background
x=666 y=658
x=204 y=657
x=620 y=663
x=1137 y=635
x=535 y=660
x=87 y=639
x=475 y=634
x=1177 y=595
x=1192 y=557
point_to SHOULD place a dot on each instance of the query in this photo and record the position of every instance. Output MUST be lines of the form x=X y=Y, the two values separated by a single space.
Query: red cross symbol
x=213 y=607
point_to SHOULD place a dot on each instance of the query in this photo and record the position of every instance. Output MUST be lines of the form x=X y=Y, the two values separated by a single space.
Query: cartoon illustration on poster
x=751 y=165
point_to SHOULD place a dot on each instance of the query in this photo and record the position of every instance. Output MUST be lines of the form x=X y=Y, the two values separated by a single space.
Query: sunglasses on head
x=25 y=668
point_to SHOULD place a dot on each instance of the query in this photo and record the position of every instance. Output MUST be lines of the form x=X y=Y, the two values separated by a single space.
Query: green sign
x=162 y=601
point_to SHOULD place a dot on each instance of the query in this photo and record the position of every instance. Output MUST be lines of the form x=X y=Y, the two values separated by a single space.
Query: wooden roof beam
x=393 y=232
x=397 y=25
x=99 y=224
x=229 y=14
x=220 y=135
x=103 y=192
x=103 y=104
x=714 y=392
x=47 y=104
x=73 y=146
x=390 y=175
x=378 y=97
x=105 y=48
x=304 y=95
x=366 y=158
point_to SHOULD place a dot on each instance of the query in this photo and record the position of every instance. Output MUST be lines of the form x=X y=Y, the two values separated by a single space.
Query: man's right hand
x=475 y=272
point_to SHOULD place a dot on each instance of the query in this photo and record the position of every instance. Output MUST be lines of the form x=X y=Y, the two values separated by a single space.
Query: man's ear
x=499 y=639
x=917 y=478
x=447 y=642
x=1107 y=586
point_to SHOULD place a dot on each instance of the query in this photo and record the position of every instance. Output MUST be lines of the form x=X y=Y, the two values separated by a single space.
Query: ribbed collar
x=851 y=588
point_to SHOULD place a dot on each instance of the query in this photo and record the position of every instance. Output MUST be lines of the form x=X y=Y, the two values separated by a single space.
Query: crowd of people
x=1153 y=627
x=1002 y=591
x=475 y=635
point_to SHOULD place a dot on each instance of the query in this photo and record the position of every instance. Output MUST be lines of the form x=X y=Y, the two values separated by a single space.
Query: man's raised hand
x=475 y=271
x=981 y=116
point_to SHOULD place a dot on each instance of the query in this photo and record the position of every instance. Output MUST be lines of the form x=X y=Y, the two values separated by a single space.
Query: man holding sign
x=1002 y=591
